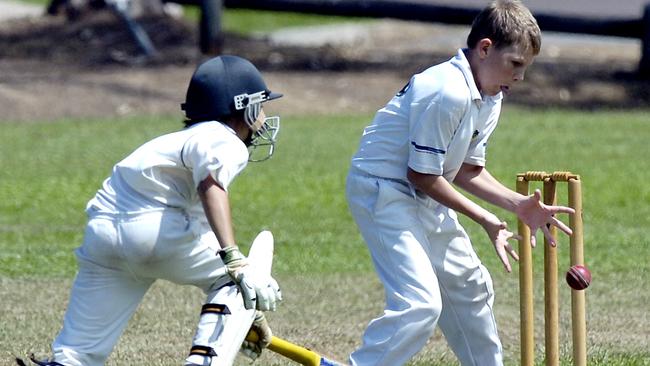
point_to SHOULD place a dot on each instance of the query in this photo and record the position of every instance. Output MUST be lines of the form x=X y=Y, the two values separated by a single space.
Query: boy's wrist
x=518 y=203
x=230 y=254
x=487 y=218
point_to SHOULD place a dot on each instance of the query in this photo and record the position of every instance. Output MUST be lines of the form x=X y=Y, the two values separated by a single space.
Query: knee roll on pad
x=222 y=327
x=218 y=309
x=202 y=351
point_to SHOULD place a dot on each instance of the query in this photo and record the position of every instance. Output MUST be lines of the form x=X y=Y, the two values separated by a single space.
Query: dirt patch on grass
x=52 y=69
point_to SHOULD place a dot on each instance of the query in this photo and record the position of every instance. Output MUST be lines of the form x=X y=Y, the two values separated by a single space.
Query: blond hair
x=506 y=23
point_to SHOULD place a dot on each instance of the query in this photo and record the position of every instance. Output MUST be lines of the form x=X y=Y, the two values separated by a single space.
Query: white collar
x=462 y=63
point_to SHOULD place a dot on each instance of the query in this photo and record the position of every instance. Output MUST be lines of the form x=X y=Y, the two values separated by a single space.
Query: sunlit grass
x=50 y=170
x=247 y=21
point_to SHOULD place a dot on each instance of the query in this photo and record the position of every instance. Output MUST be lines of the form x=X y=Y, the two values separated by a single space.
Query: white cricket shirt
x=166 y=171
x=435 y=123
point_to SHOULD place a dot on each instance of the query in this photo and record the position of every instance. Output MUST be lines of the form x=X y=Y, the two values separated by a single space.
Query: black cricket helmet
x=227 y=85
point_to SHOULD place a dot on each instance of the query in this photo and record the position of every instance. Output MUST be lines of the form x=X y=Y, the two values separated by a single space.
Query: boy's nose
x=519 y=76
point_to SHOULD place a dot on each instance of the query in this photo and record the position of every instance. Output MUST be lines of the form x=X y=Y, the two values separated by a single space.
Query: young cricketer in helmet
x=164 y=213
x=430 y=138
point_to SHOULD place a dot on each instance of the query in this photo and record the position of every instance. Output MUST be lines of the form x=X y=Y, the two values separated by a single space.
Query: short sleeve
x=476 y=154
x=223 y=158
x=432 y=126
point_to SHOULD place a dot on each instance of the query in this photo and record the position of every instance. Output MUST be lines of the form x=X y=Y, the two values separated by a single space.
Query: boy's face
x=501 y=67
x=259 y=121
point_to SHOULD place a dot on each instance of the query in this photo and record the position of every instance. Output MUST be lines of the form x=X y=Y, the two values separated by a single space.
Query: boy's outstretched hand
x=532 y=212
x=537 y=215
x=499 y=234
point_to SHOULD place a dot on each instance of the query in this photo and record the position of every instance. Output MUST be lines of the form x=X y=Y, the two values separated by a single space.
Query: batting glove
x=253 y=350
x=269 y=296
x=258 y=292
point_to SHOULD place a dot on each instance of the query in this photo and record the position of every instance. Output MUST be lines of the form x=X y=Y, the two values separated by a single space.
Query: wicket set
x=551 y=305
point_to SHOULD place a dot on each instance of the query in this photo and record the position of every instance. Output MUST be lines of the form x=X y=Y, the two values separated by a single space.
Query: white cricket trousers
x=431 y=276
x=121 y=256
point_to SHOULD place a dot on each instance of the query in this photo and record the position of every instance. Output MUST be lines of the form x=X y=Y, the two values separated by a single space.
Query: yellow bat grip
x=289 y=350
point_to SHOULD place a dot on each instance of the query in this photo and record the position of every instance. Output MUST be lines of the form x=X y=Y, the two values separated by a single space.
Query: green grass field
x=50 y=170
x=246 y=21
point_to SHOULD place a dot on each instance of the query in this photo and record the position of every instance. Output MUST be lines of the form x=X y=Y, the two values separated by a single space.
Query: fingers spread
x=561 y=209
x=512 y=252
x=562 y=226
x=516 y=237
x=504 y=259
x=504 y=248
x=549 y=237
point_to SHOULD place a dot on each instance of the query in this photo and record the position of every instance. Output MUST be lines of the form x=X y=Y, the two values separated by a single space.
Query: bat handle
x=289 y=350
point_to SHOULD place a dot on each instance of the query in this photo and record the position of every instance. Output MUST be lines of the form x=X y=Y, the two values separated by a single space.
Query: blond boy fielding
x=429 y=138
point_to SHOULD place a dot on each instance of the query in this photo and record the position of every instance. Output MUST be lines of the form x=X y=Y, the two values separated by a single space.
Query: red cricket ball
x=578 y=277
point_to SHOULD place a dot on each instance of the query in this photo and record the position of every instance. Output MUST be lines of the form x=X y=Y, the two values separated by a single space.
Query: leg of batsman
x=294 y=352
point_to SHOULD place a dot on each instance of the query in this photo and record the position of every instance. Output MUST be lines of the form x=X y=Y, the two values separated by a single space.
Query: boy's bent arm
x=258 y=292
x=439 y=189
x=480 y=183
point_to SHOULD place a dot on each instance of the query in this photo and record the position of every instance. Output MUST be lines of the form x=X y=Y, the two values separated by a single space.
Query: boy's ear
x=483 y=47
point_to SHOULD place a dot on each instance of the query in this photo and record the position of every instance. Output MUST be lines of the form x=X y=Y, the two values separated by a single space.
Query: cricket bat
x=261 y=256
x=294 y=352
